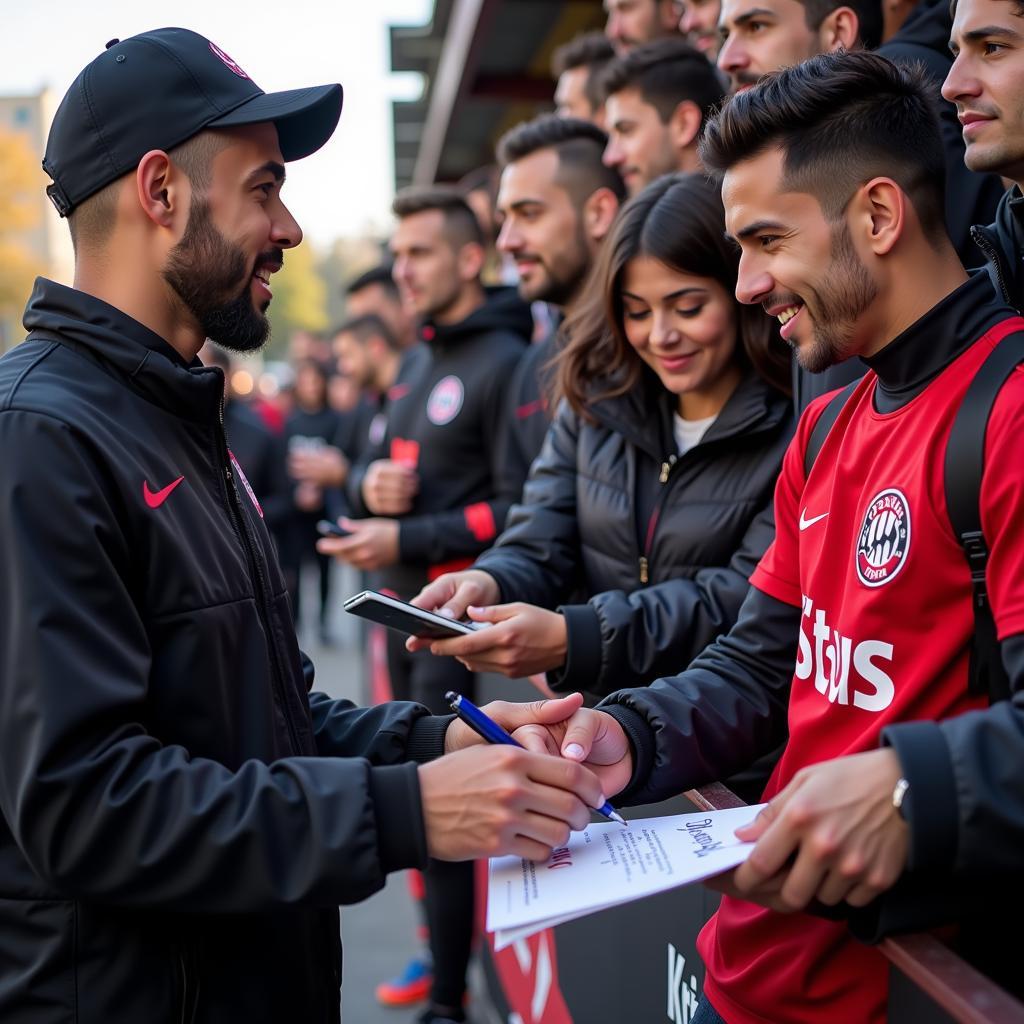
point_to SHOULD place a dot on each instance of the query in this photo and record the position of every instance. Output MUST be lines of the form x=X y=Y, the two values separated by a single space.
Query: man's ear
x=599 y=212
x=471 y=261
x=164 y=191
x=684 y=125
x=840 y=30
x=879 y=213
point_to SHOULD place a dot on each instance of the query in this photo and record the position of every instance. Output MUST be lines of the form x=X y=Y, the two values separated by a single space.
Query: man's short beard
x=439 y=306
x=845 y=292
x=565 y=274
x=213 y=280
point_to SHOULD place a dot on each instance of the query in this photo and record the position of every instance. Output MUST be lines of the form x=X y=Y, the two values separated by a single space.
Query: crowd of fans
x=559 y=408
x=559 y=463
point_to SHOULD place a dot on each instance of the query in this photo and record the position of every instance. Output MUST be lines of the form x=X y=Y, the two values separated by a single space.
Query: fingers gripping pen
x=486 y=727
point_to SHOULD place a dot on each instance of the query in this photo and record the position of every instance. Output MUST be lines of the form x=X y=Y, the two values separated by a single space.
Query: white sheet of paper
x=606 y=865
x=507 y=936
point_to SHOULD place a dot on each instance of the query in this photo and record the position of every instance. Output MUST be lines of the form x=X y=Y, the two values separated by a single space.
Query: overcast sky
x=337 y=191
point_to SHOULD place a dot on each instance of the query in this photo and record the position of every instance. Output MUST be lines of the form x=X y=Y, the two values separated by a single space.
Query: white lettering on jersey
x=828 y=656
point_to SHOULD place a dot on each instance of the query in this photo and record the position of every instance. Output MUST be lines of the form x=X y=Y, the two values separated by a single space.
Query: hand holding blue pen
x=486 y=727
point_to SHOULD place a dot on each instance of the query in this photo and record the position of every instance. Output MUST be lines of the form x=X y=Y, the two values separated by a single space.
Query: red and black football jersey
x=865 y=548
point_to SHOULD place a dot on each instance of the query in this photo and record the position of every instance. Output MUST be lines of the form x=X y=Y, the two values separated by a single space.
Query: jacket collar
x=1002 y=244
x=916 y=357
x=120 y=344
x=501 y=310
x=644 y=415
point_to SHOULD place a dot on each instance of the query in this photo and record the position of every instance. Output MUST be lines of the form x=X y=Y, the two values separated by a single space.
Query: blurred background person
x=699 y=25
x=343 y=394
x=653 y=492
x=480 y=190
x=577 y=67
x=368 y=360
x=657 y=99
x=630 y=23
x=370 y=356
x=375 y=293
x=304 y=345
x=557 y=201
x=311 y=426
x=760 y=36
x=431 y=490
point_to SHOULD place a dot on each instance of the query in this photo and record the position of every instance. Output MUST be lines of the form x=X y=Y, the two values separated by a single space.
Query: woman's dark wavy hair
x=677 y=220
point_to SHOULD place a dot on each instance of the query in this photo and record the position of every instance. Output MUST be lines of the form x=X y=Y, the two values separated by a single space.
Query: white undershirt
x=689 y=432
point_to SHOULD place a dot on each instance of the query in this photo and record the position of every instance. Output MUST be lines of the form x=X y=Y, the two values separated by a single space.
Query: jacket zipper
x=652 y=523
x=240 y=523
x=982 y=241
x=188 y=1013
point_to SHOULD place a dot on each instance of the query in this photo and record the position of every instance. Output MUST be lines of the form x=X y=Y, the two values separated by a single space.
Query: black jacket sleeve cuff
x=931 y=805
x=641 y=739
x=426 y=738
x=413 y=540
x=583 y=650
x=401 y=837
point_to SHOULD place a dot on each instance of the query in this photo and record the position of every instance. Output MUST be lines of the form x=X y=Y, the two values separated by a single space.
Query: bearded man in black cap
x=180 y=815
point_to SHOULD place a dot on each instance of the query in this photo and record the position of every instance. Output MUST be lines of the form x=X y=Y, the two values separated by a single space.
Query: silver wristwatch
x=900 y=794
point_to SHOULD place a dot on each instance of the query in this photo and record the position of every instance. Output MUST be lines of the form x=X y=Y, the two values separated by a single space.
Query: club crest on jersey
x=445 y=400
x=884 y=540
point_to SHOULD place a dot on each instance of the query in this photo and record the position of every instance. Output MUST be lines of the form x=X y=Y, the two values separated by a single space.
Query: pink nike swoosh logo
x=154 y=499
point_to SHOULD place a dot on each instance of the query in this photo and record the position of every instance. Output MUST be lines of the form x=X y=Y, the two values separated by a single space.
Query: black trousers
x=448 y=901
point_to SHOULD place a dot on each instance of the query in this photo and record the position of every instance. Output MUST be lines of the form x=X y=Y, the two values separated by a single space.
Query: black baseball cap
x=155 y=91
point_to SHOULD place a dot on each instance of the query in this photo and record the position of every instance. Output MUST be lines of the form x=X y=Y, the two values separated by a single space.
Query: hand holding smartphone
x=407 y=618
x=328 y=529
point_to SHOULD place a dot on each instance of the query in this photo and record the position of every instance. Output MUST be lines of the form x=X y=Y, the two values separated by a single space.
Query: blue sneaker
x=411 y=986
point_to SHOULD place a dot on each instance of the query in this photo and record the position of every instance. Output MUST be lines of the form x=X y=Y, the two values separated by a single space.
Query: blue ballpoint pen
x=493 y=733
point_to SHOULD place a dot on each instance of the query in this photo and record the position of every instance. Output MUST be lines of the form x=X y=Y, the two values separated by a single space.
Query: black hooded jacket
x=448 y=423
x=173 y=841
x=661 y=545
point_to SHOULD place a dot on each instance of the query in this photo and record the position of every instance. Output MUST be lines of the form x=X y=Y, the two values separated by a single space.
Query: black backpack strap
x=965 y=462
x=826 y=421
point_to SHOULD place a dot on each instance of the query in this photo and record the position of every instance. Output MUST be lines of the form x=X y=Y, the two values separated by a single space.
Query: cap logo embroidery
x=228 y=62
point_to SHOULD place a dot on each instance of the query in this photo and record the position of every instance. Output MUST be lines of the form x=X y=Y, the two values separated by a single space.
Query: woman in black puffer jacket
x=651 y=500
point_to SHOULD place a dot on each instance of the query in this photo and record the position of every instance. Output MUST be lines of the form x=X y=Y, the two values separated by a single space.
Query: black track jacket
x=448 y=425
x=179 y=816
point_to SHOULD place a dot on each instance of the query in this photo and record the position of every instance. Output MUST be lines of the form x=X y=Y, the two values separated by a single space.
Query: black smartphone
x=328 y=529
x=406 y=618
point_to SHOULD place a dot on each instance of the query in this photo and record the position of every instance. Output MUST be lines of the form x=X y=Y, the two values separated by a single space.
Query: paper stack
x=606 y=865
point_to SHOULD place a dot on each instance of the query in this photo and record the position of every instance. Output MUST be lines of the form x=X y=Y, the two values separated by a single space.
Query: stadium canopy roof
x=486 y=66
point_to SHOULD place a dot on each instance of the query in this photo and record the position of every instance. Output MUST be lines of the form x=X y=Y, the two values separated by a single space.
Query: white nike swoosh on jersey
x=804 y=522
